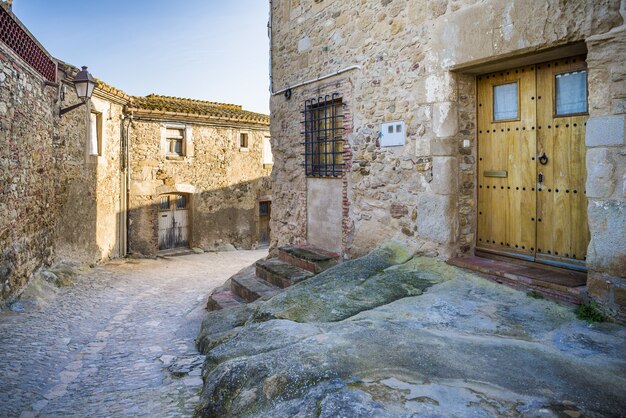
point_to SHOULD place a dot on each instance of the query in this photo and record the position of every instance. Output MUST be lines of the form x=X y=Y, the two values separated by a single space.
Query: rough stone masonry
x=411 y=61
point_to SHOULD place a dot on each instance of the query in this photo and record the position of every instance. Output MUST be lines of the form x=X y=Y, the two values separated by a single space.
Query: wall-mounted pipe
x=313 y=80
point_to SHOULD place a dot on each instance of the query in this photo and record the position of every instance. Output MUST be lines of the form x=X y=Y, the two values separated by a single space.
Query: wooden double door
x=531 y=163
x=173 y=221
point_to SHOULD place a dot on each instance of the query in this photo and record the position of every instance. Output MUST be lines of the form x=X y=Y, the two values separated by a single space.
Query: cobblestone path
x=119 y=342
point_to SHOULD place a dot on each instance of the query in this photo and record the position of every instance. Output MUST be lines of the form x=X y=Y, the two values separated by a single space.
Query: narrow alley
x=119 y=342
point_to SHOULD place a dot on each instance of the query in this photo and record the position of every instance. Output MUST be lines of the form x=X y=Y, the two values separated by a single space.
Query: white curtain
x=93 y=134
x=505 y=102
x=571 y=93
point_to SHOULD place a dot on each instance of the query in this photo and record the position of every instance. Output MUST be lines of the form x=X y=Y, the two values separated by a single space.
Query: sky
x=214 y=50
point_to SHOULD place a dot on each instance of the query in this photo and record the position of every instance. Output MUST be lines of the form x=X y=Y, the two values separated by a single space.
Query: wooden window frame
x=169 y=141
x=515 y=81
x=98 y=151
x=244 y=140
x=556 y=72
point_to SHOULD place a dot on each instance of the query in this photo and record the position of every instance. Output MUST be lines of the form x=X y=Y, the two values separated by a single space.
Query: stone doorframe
x=182 y=188
x=605 y=143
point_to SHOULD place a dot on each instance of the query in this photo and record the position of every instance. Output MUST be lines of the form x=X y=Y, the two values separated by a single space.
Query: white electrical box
x=392 y=134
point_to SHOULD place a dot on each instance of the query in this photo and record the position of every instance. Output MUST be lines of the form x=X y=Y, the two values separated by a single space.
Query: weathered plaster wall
x=223 y=180
x=416 y=63
x=325 y=199
x=89 y=185
x=27 y=203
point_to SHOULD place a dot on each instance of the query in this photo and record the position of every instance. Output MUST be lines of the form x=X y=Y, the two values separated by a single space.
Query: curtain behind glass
x=571 y=93
x=505 y=102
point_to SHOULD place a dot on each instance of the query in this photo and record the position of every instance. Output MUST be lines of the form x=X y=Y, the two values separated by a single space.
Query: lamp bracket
x=70 y=108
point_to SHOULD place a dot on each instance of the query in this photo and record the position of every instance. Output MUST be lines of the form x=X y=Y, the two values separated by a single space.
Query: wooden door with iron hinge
x=531 y=163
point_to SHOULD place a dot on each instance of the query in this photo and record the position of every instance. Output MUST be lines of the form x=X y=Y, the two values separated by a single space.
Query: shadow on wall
x=89 y=187
x=216 y=218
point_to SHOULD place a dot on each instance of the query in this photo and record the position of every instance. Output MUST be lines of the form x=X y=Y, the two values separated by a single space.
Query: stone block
x=607 y=248
x=436 y=218
x=605 y=131
x=445 y=175
x=443 y=146
x=445 y=119
x=304 y=44
x=598 y=288
x=600 y=173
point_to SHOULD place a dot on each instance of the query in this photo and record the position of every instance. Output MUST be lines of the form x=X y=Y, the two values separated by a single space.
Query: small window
x=95 y=134
x=181 y=201
x=264 y=208
x=571 y=93
x=243 y=140
x=323 y=121
x=505 y=102
x=174 y=139
x=268 y=158
x=165 y=203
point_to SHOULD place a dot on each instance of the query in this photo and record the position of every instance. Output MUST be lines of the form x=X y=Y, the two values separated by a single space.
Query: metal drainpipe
x=269 y=34
x=128 y=184
x=125 y=157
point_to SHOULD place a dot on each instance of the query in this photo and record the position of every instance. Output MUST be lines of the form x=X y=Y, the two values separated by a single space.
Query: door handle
x=543 y=158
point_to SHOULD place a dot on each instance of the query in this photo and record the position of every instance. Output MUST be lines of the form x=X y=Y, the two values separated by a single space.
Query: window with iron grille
x=323 y=131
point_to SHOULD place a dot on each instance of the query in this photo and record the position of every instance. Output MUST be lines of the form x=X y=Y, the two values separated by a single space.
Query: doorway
x=531 y=163
x=265 y=212
x=173 y=221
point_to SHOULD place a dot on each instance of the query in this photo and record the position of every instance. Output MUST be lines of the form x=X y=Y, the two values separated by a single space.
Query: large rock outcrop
x=387 y=336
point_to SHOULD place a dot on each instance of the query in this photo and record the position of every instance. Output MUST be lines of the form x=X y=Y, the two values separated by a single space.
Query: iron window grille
x=323 y=133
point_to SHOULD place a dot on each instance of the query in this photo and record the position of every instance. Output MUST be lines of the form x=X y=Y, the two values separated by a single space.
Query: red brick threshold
x=561 y=285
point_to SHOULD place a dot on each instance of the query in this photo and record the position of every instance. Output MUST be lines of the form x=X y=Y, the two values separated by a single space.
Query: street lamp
x=84 y=85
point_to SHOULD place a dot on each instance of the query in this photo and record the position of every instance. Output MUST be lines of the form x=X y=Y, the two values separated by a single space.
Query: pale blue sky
x=203 y=49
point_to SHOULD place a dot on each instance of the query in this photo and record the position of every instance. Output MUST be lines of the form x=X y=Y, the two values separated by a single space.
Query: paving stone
x=102 y=347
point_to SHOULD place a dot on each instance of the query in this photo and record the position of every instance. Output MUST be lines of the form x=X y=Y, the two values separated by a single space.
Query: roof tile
x=156 y=102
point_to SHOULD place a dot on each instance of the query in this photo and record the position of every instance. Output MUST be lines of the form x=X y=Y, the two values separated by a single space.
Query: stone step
x=246 y=285
x=280 y=273
x=308 y=257
x=557 y=284
x=223 y=299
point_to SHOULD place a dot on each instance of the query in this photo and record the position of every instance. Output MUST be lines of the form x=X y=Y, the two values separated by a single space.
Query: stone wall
x=89 y=186
x=27 y=207
x=416 y=62
x=224 y=183
x=606 y=172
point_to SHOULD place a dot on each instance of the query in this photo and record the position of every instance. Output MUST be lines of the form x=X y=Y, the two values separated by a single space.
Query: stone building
x=199 y=175
x=90 y=184
x=464 y=127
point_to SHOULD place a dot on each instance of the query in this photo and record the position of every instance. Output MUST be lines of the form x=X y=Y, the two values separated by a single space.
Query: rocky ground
x=115 y=340
x=390 y=335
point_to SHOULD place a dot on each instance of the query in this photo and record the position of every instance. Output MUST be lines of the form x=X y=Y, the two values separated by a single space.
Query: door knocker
x=543 y=158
